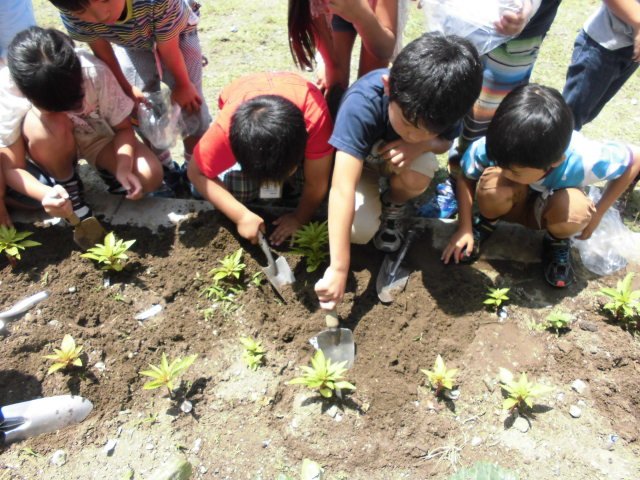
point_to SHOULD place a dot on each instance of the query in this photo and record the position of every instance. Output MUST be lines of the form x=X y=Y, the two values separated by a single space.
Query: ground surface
x=252 y=425
x=249 y=425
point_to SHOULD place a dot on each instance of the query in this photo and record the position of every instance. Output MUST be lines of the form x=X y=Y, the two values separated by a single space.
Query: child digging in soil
x=411 y=109
x=530 y=169
x=158 y=42
x=276 y=126
x=57 y=104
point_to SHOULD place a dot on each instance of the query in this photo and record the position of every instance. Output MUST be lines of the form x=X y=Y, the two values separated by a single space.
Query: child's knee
x=568 y=211
x=410 y=181
x=496 y=195
x=368 y=207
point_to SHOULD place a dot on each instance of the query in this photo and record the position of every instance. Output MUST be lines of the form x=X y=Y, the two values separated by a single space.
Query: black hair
x=302 y=42
x=532 y=128
x=435 y=80
x=45 y=67
x=70 y=5
x=268 y=137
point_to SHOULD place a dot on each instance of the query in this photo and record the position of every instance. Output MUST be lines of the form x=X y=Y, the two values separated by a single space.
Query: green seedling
x=323 y=375
x=440 y=378
x=230 y=269
x=12 y=242
x=66 y=356
x=521 y=392
x=496 y=296
x=559 y=320
x=624 y=301
x=111 y=254
x=253 y=355
x=226 y=283
x=166 y=374
x=311 y=241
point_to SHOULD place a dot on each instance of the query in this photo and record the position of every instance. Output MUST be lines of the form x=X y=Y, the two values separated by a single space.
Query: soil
x=249 y=425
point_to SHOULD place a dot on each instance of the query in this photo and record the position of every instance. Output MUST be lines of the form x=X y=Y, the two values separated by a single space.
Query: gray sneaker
x=389 y=237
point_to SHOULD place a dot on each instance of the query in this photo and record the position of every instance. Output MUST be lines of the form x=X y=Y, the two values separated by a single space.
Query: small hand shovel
x=336 y=343
x=87 y=232
x=278 y=272
x=393 y=277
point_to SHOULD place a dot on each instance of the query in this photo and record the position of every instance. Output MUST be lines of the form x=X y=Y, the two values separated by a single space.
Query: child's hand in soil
x=249 y=225
x=287 y=225
x=330 y=288
x=56 y=203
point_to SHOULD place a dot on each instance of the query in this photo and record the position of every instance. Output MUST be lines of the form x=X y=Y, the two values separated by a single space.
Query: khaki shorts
x=368 y=205
x=90 y=144
x=530 y=207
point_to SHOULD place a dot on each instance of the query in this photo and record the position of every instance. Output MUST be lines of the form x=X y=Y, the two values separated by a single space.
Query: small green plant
x=624 y=301
x=253 y=355
x=226 y=283
x=440 y=378
x=67 y=355
x=230 y=269
x=111 y=254
x=166 y=374
x=559 y=320
x=311 y=241
x=323 y=375
x=12 y=242
x=522 y=392
x=496 y=296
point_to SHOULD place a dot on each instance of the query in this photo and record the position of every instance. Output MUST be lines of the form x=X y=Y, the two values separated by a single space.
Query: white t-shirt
x=608 y=30
x=104 y=104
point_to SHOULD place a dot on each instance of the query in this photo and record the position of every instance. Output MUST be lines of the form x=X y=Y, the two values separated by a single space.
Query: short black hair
x=268 y=137
x=70 y=5
x=532 y=128
x=435 y=80
x=45 y=67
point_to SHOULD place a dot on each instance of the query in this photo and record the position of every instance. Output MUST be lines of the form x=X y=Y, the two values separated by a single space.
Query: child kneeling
x=530 y=169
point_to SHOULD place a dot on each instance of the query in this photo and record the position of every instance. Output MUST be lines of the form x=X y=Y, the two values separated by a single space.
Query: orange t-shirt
x=213 y=152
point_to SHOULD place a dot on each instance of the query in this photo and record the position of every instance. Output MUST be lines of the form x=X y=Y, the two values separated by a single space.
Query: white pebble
x=575 y=411
x=579 y=386
x=100 y=366
x=58 y=458
x=476 y=441
x=186 y=406
x=197 y=445
x=72 y=289
x=110 y=446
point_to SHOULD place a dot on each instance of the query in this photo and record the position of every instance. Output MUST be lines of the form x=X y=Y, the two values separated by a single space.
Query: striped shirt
x=145 y=23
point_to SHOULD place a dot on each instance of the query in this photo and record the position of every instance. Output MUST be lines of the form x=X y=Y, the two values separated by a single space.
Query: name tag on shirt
x=270 y=190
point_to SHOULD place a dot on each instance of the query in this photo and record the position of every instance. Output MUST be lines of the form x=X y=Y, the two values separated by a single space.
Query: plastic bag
x=612 y=244
x=472 y=19
x=160 y=120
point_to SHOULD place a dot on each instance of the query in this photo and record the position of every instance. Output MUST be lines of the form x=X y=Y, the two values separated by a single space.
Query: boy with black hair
x=391 y=123
x=57 y=104
x=158 y=42
x=530 y=169
x=272 y=133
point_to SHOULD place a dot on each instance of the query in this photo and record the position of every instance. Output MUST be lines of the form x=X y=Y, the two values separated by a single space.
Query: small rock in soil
x=560 y=397
x=490 y=383
x=58 y=458
x=100 y=366
x=588 y=326
x=54 y=323
x=521 y=425
x=579 y=386
x=452 y=394
x=110 y=446
x=72 y=289
x=177 y=469
x=186 y=406
x=332 y=411
x=476 y=441
x=265 y=443
x=197 y=445
x=149 y=446
x=575 y=411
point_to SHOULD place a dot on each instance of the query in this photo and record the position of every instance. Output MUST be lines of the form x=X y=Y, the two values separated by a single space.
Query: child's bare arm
x=104 y=51
x=184 y=92
x=614 y=189
x=462 y=239
x=247 y=222
x=123 y=143
x=346 y=173
x=55 y=200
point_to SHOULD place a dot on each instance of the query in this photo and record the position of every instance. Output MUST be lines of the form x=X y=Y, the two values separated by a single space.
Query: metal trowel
x=43 y=415
x=278 y=272
x=393 y=277
x=87 y=232
x=336 y=343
